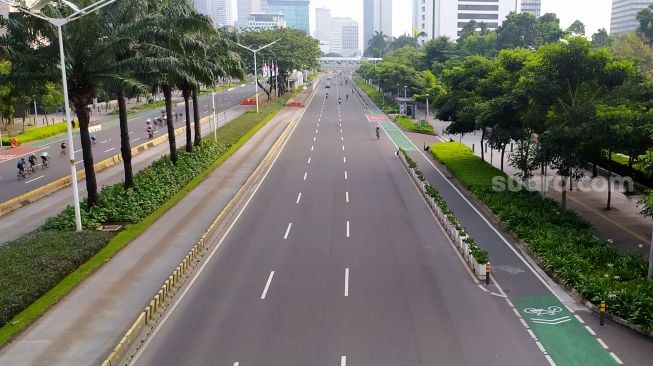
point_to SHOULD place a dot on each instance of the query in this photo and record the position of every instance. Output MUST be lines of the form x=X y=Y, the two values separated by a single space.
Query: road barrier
x=454 y=231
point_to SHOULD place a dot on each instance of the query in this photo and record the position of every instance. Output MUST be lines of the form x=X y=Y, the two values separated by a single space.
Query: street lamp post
x=215 y=119
x=59 y=23
x=426 y=117
x=255 y=67
x=405 y=95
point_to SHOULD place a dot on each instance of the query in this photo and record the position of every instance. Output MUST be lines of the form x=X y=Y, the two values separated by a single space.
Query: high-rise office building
x=532 y=7
x=295 y=11
x=245 y=7
x=377 y=17
x=344 y=37
x=624 y=15
x=218 y=10
x=447 y=17
x=323 y=25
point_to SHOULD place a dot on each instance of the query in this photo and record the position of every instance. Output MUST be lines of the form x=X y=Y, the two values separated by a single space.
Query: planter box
x=479 y=269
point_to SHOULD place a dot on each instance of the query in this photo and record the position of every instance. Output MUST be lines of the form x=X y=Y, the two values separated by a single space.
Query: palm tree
x=377 y=45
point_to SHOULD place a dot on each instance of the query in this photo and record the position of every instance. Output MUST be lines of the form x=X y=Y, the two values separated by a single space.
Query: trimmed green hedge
x=562 y=240
x=33 y=264
x=386 y=104
x=410 y=125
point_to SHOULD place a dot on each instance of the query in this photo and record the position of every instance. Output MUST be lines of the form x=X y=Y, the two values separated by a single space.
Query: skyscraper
x=323 y=25
x=245 y=7
x=218 y=10
x=447 y=17
x=624 y=15
x=377 y=17
x=532 y=7
x=296 y=12
x=344 y=37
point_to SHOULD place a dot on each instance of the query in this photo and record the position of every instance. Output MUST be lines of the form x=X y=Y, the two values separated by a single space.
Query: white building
x=624 y=15
x=532 y=7
x=264 y=20
x=344 y=37
x=377 y=17
x=323 y=26
x=447 y=17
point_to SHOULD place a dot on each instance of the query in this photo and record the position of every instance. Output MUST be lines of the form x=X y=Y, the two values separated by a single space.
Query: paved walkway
x=84 y=327
x=622 y=224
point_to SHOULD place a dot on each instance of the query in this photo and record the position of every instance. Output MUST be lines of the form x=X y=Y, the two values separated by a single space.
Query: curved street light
x=34 y=9
x=255 y=51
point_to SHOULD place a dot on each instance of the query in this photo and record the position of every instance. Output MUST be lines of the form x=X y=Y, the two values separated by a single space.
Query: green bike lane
x=557 y=331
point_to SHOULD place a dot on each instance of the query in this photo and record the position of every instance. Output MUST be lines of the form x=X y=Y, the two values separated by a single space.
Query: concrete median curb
x=144 y=324
x=52 y=187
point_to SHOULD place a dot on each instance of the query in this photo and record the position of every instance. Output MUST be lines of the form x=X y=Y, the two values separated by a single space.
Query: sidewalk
x=84 y=327
x=622 y=224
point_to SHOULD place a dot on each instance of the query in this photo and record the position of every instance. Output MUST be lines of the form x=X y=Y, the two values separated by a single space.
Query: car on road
x=328 y=85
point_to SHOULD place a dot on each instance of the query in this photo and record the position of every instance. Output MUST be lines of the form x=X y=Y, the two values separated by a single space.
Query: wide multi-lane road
x=337 y=260
x=108 y=143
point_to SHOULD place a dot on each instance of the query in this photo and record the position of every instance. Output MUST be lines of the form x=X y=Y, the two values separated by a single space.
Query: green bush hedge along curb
x=34 y=311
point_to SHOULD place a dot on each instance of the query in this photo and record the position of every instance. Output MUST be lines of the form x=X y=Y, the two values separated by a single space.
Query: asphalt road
x=337 y=260
x=108 y=144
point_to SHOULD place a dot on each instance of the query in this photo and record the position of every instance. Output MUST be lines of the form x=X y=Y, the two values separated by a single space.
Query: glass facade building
x=624 y=15
x=295 y=11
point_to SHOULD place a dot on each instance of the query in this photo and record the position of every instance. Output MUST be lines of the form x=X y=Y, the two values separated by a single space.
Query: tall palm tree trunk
x=189 y=140
x=167 y=93
x=84 y=118
x=196 y=117
x=125 y=146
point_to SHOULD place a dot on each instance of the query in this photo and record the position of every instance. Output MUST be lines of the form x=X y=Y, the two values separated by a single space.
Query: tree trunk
x=189 y=140
x=564 y=193
x=267 y=92
x=483 y=144
x=503 y=154
x=609 y=167
x=125 y=147
x=91 y=183
x=167 y=93
x=595 y=170
x=196 y=118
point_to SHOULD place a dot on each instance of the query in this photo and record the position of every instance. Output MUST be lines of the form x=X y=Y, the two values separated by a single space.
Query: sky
x=594 y=14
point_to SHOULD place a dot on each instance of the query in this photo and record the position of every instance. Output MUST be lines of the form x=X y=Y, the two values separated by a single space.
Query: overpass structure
x=344 y=63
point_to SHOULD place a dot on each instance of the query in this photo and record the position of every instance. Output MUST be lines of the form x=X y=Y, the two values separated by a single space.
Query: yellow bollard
x=602 y=310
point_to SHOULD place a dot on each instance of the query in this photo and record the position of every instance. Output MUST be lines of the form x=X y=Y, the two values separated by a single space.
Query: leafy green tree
x=7 y=96
x=601 y=39
x=467 y=30
x=630 y=46
x=577 y=28
x=645 y=19
x=526 y=31
x=438 y=50
x=478 y=44
x=403 y=41
x=569 y=79
x=377 y=45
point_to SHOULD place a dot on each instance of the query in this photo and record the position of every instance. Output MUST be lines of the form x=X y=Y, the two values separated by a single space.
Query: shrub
x=562 y=240
x=37 y=133
x=33 y=264
x=408 y=124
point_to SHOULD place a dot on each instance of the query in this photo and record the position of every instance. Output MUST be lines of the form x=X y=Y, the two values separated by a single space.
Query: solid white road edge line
x=267 y=286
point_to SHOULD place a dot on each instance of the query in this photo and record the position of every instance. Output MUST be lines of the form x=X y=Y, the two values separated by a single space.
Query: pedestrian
x=93 y=138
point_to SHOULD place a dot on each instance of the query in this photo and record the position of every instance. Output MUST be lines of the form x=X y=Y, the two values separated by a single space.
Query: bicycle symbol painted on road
x=551 y=310
x=541 y=314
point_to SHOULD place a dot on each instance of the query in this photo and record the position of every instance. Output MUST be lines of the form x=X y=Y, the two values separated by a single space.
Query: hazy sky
x=594 y=14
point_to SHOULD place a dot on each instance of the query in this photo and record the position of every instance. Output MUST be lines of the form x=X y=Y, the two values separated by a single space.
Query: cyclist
x=32 y=162
x=378 y=132
x=21 y=167
x=150 y=131
x=339 y=100
x=327 y=95
x=64 y=149
x=44 y=159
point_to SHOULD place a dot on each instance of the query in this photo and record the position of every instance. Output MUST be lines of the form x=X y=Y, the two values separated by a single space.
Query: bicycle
x=21 y=174
x=30 y=169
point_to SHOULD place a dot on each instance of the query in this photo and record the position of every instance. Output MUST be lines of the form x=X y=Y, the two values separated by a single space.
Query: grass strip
x=122 y=239
x=37 y=133
x=410 y=125
x=386 y=104
x=563 y=242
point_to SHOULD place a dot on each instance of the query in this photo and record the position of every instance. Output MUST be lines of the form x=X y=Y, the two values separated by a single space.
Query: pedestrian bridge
x=344 y=63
